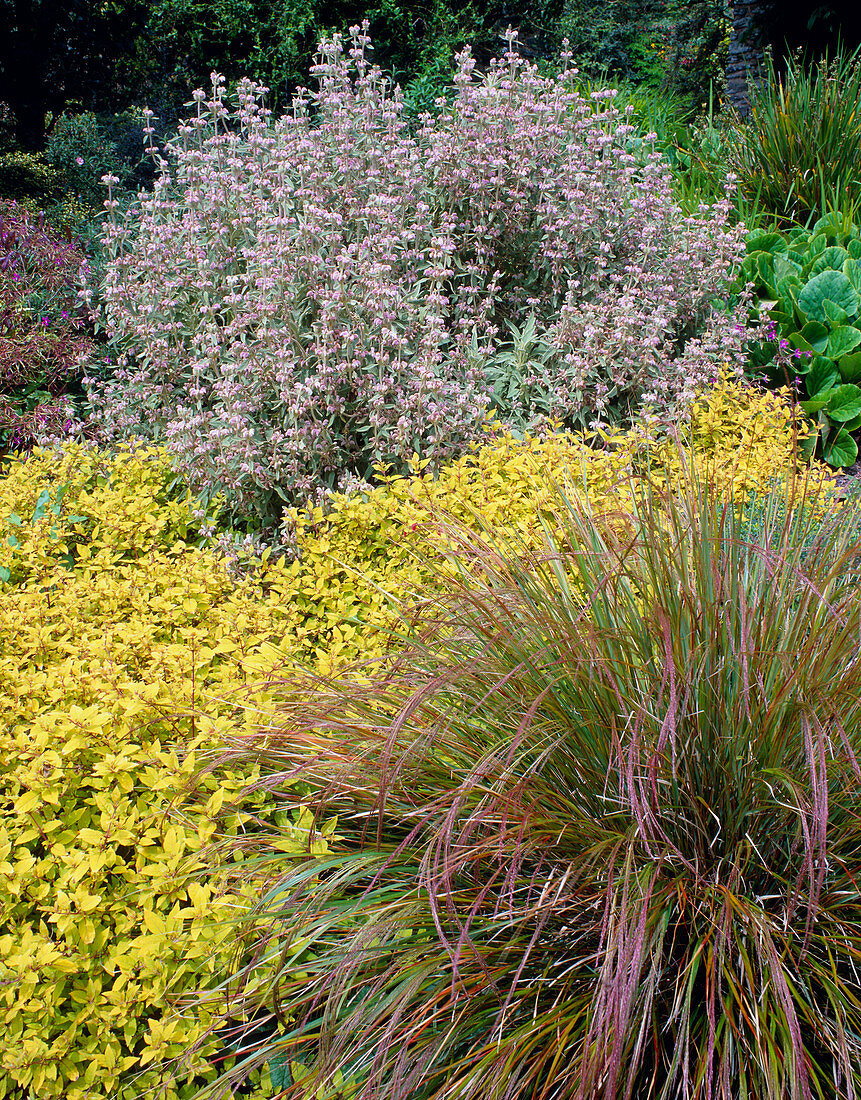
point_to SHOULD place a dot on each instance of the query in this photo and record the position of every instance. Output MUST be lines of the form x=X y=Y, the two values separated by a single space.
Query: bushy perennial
x=302 y=299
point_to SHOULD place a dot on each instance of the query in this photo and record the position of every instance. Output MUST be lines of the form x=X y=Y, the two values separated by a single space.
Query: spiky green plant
x=598 y=829
x=800 y=149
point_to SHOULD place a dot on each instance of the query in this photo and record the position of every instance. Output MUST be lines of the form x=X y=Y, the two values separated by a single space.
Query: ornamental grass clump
x=797 y=154
x=598 y=828
x=301 y=300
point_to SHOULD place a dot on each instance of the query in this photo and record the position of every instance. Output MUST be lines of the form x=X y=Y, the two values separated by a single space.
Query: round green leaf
x=764 y=273
x=765 y=242
x=779 y=317
x=832 y=258
x=821 y=377
x=835 y=315
x=844 y=403
x=842 y=340
x=785 y=269
x=852 y=271
x=850 y=367
x=854 y=249
x=842 y=450
x=813 y=337
x=832 y=285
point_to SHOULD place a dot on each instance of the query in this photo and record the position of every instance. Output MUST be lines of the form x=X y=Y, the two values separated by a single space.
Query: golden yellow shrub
x=113 y=633
x=354 y=562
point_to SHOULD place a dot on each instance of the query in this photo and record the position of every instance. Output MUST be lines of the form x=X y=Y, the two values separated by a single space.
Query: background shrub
x=45 y=333
x=84 y=147
x=301 y=302
x=680 y=48
x=28 y=178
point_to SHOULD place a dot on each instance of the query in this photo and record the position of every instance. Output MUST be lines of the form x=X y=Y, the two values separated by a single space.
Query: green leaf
x=854 y=249
x=785 y=269
x=814 y=336
x=835 y=315
x=802 y=364
x=821 y=377
x=42 y=502
x=844 y=403
x=850 y=367
x=813 y=406
x=842 y=451
x=852 y=271
x=832 y=285
x=780 y=317
x=832 y=258
x=279 y=1070
x=764 y=271
x=842 y=340
x=765 y=242
x=58 y=500
x=4 y=573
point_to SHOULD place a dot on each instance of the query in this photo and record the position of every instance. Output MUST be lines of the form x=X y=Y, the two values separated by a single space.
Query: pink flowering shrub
x=304 y=298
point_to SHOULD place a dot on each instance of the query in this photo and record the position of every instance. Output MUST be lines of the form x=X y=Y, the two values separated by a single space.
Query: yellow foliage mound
x=111 y=627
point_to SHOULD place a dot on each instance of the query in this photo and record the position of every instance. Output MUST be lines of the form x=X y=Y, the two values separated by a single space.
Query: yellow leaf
x=86 y=929
x=125 y=782
x=27 y=802
x=153 y=922
x=215 y=801
x=87 y=902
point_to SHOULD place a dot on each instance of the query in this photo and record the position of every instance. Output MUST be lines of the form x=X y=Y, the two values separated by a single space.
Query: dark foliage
x=44 y=331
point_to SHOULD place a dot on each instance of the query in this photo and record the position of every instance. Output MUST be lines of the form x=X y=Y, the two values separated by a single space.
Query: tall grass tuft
x=598 y=830
x=798 y=153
